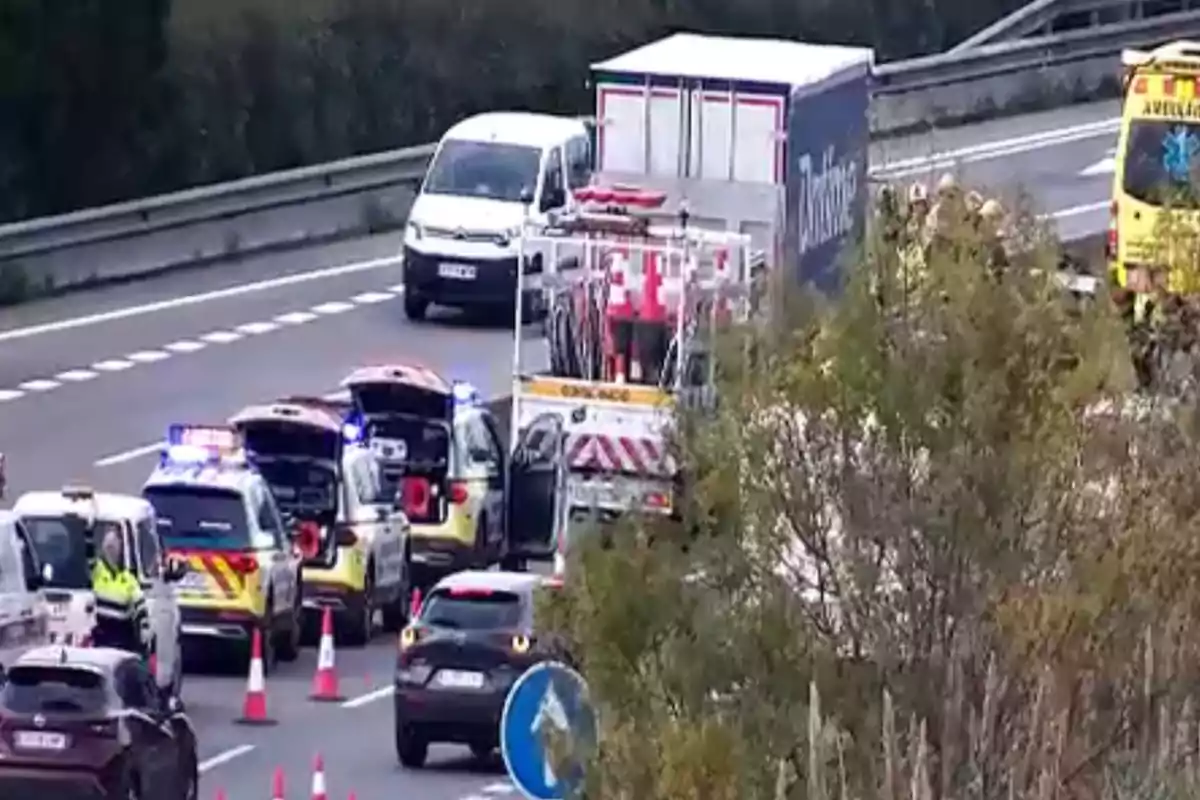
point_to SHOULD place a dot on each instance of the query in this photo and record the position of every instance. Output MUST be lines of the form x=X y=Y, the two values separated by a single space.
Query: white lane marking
x=40 y=385
x=112 y=365
x=369 y=697
x=296 y=318
x=185 y=346
x=337 y=307
x=77 y=375
x=197 y=299
x=148 y=356
x=10 y=394
x=500 y=787
x=224 y=757
x=998 y=148
x=396 y=288
x=1105 y=166
x=221 y=337
x=129 y=455
x=256 y=328
x=366 y=298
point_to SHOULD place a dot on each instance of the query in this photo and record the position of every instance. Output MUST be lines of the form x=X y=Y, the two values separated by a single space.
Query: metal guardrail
x=1033 y=55
x=933 y=74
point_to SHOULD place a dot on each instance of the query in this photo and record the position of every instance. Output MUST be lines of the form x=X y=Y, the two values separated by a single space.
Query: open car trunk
x=302 y=464
x=409 y=430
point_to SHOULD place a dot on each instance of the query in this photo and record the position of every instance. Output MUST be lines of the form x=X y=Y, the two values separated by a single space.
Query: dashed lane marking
x=40 y=385
x=112 y=365
x=77 y=375
x=336 y=307
x=224 y=757
x=148 y=356
x=221 y=337
x=185 y=346
x=256 y=328
x=296 y=318
x=369 y=697
x=129 y=455
x=197 y=299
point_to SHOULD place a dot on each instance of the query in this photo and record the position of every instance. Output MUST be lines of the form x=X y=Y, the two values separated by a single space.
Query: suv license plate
x=458 y=272
x=40 y=740
x=457 y=679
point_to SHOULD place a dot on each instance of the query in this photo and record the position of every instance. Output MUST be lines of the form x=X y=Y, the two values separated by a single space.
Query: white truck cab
x=66 y=528
x=490 y=174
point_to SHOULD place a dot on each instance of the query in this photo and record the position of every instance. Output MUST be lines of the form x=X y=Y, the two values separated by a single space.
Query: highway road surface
x=89 y=383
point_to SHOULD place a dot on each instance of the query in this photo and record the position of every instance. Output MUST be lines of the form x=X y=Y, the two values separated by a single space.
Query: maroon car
x=91 y=724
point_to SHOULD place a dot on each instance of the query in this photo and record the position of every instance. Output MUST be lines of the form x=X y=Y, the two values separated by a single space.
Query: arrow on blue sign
x=550 y=698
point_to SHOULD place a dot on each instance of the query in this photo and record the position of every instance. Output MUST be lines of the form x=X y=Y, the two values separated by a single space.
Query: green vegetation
x=947 y=555
x=106 y=100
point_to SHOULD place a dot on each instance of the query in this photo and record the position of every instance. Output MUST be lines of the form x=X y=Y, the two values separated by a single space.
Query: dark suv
x=92 y=724
x=474 y=636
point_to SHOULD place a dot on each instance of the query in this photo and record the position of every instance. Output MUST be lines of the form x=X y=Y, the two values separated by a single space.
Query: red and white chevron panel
x=633 y=455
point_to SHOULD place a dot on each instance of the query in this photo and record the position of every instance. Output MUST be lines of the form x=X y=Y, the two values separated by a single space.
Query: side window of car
x=148 y=550
x=27 y=560
x=482 y=446
x=579 y=162
x=269 y=519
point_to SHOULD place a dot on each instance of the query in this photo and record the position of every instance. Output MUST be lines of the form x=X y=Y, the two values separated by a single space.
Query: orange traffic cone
x=414 y=607
x=220 y=794
x=254 y=710
x=325 y=680
x=318 y=782
x=277 y=784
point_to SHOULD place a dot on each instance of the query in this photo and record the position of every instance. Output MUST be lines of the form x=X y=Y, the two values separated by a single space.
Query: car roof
x=517 y=128
x=107 y=505
x=104 y=659
x=516 y=582
x=234 y=478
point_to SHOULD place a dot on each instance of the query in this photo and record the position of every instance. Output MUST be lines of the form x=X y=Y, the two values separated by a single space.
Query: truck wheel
x=415 y=306
x=411 y=748
x=395 y=613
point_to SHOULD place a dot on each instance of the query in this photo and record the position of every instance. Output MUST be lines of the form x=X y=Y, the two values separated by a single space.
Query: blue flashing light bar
x=200 y=445
x=465 y=394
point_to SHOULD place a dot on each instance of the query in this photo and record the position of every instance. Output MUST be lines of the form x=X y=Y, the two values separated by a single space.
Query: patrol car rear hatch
x=407 y=417
x=298 y=447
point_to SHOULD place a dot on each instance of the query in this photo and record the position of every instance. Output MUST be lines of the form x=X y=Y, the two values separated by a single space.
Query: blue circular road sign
x=549 y=698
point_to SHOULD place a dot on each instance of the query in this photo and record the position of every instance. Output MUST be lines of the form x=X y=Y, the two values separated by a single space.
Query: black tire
x=191 y=785
x=360 y=621
x=411 y=747
x=395 y=613
x=288 y=648
x=483 y=556
x=512 y=563
x=415 y=306
x=128 y=786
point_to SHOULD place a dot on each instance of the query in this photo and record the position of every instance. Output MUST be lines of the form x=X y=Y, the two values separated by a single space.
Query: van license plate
x=458 y=272
x=40 y=740
x=458 y=679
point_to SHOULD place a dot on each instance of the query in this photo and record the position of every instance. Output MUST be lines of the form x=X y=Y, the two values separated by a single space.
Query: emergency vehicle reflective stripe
x=625 y=454
x=219 y=578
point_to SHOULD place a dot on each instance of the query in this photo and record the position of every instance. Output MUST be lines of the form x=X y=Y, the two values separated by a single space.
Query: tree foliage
x=941 y=553
x=106 y=100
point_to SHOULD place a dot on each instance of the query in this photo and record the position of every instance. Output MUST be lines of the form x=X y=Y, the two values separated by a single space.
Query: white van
x=24 y=622
x=488 y=173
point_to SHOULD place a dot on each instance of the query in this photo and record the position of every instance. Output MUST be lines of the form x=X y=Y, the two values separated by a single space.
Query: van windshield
x=1162 y=163
x=69 y=545
x=486 y=170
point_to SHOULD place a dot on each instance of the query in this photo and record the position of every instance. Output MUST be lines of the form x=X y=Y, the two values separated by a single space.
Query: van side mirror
x=553 y=198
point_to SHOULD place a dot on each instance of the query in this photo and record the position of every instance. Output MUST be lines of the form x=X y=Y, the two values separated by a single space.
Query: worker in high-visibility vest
x=120 y=604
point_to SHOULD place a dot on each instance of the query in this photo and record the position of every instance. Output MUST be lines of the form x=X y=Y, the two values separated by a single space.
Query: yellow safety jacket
x=118 y=593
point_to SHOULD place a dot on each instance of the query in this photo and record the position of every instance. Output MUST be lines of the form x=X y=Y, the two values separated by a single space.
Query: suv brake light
x=242 y=564
x=458 y=493
x=1114 y=236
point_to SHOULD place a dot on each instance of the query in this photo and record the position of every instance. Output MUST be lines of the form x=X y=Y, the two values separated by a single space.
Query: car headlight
x=416 y=230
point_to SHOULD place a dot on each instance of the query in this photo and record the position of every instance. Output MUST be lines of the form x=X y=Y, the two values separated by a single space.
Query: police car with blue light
x=359 y=561
x=441 y=458
x=218 y=514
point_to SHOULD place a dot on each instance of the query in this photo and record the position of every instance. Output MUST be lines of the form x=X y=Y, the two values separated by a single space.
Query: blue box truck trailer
x=759 y=136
